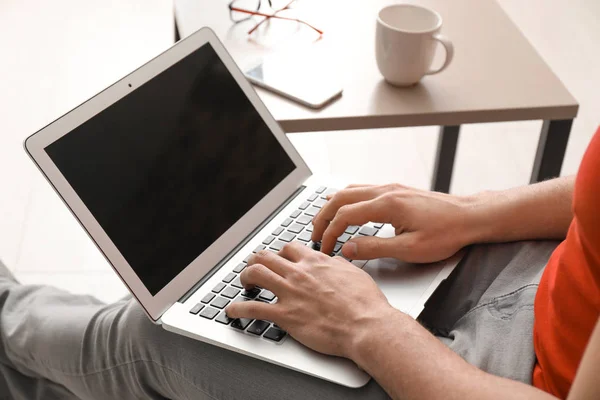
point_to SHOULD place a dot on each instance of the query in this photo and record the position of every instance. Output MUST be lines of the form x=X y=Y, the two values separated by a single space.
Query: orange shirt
x=567 y=304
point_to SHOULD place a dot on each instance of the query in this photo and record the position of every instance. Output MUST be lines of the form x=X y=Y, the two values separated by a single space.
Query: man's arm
x=539 y=211
x=432 y=226
x=410 y=363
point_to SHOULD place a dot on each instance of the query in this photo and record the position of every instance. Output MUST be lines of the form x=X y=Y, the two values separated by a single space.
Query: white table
x=496 y=74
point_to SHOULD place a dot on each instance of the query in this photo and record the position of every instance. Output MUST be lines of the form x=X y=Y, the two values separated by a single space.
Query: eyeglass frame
x=267 y=16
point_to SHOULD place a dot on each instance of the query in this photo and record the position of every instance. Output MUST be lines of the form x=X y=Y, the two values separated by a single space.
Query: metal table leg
x=444 y=161
x=551 y=149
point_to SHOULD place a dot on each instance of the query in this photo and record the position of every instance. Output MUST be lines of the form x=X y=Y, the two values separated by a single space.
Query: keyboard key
x=367 y=231
x=274 y=334
x=304 y=236
x=268 y=240
x=241 y=299
x=327 y=193
x=277 y=245
x=287 y=222
x=259 y=248
x=220 y=286
x=237 y=283
x=344 y=238
x=247 y=258
x=304 y=219
x=296 y=228
x=312 y=211
x=223 y=318
x=229 y=278
x=206 y=299
x=258 y=327
x=196 y=309
x=209 y=312
x=313 y=197
x=251 y=294
x=319 y=203
x=309 y=227
x=287 y=236
x=220 y=302
x=321 y=189
x=241 y=323
x=240 y=267
x=295 y=214
x=378 y=225
x=352 y=229
x=337 y=247
x=278 y=230
x=304 y=205
x=266 y=295
x=230 y=292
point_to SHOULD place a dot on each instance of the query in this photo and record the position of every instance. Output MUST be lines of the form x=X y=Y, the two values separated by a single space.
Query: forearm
x=410 y=363
x=538 y=211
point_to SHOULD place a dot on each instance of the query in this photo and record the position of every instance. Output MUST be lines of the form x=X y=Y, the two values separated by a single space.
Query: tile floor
x=57 y=54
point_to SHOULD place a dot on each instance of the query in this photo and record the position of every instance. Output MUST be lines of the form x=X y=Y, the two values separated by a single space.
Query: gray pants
x=56 y=345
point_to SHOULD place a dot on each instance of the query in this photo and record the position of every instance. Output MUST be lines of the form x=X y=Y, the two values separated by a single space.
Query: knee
x=160 y=361
x=143 y=338
x=136 y=328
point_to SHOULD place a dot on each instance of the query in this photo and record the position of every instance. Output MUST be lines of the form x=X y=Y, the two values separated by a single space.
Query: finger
x=295 y=252
x=357 y=185
x=259 y=275
x=272 y=261
x=253 y=310
x=375 y=210
x=370 y=247
x=352 y=186
x=343 y=197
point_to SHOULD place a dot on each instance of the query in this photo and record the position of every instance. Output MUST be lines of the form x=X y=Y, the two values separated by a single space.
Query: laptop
x=179 y=173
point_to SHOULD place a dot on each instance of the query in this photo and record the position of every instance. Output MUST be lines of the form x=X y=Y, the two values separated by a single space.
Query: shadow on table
x=386 y=98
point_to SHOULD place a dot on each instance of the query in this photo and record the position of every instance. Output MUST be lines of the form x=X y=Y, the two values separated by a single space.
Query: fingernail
x=350 y=249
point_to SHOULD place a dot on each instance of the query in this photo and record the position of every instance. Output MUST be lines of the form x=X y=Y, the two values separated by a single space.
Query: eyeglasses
x=240 y=11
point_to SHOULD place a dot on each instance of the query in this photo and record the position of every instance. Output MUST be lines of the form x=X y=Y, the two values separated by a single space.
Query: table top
x=496 y=74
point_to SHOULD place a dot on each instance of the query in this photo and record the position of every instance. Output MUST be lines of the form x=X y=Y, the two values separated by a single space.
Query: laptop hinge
x=240 y=245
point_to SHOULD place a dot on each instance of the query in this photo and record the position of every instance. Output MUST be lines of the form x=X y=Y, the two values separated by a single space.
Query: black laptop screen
x=170 y=167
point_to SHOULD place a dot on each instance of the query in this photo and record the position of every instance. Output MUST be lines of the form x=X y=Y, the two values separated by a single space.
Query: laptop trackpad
x=403 y=284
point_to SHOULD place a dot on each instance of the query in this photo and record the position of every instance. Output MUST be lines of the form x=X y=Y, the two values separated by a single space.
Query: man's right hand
x=430 y=226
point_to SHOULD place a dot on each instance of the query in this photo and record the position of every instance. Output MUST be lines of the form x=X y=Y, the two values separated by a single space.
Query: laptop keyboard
x=297 y=227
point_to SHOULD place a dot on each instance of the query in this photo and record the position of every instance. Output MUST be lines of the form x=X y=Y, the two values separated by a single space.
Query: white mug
x=405 y=43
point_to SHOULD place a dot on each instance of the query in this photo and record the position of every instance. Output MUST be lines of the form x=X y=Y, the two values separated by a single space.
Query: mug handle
x=449 y=53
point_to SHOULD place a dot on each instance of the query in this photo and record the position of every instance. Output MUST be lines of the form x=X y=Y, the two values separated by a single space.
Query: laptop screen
x=170 y=167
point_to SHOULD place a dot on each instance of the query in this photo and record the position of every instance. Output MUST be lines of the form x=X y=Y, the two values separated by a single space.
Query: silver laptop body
x=178 y=173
